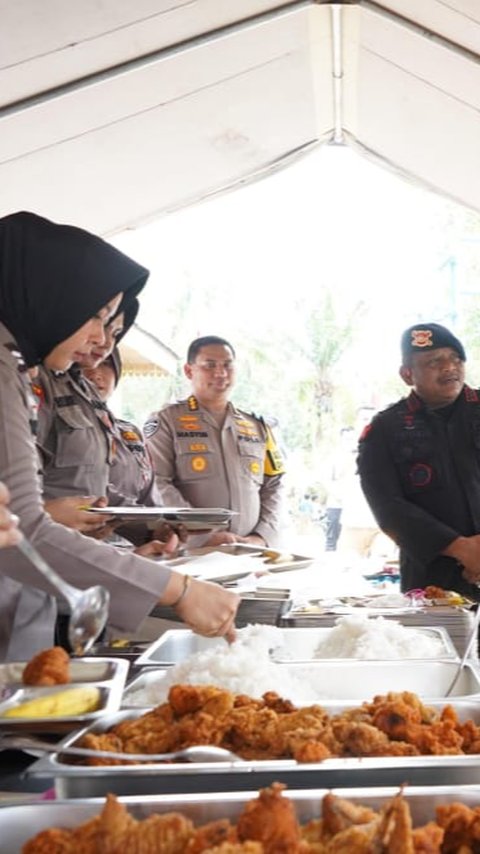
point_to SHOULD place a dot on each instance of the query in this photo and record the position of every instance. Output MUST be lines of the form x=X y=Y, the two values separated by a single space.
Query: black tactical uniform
x=420 y=471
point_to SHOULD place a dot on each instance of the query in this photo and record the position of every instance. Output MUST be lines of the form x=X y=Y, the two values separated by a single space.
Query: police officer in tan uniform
x=208 y=453
x=75 y=434
x=131 y=477
x=59 y=286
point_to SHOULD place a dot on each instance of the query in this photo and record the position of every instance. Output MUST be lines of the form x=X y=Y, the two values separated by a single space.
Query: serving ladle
x=196 y=753
x=89 y=608
x=468 y=649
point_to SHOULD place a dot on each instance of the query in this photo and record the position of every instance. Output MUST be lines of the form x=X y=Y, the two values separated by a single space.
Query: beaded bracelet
x=186 y=584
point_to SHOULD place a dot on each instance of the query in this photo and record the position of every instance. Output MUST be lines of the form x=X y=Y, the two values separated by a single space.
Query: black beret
x=429 y=336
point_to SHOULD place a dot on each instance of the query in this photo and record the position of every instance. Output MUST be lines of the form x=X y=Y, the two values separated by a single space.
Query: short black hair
x=198 y=343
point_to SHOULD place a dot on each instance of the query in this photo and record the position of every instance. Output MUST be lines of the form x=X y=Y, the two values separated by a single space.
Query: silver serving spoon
x=197 y=753
x=89 y=608
x=468 y=649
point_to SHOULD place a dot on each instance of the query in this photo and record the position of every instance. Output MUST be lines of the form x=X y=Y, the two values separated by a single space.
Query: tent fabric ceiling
x=114 y=113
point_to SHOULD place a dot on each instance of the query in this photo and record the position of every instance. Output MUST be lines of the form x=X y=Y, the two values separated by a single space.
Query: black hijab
x=130 y=311
x=54 y=278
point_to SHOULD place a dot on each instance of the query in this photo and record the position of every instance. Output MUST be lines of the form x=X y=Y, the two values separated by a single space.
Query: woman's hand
x=9 y=533
x=71 y=511
x=164 y=530
x=221 y=538
x=206 y=607
x=155 y=547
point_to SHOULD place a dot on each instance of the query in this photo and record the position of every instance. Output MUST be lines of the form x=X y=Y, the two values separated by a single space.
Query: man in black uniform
x=419 y=465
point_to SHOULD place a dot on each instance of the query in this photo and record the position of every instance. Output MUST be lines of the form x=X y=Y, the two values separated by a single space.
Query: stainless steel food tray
x=20 y=823
x=80 y=781
x=107 y=674
x=457 y=621
x=342 y=680
x=193 y=518
x=176 y=645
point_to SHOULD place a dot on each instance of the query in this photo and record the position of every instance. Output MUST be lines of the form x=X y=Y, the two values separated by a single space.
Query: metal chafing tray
x=293 y=644
x=458 y=621
x=107 y=674
x=20 y=823
x=80 y=781
x=341 y=680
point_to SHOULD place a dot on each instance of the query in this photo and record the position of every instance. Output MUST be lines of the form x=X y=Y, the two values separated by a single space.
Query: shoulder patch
x=273 y=463
x=365 y=432
x=151 y=426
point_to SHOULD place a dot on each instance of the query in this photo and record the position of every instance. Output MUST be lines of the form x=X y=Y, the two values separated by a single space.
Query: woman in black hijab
x=59 y=286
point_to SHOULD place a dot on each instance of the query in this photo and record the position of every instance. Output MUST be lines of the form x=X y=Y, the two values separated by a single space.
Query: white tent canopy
x=113 y=113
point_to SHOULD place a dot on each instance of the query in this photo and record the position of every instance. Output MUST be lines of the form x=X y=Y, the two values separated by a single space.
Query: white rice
x=246 y=667
x=357 y=636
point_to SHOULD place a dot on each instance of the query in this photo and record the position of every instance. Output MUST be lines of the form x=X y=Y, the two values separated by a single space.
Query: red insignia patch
x=365 y=432
x=38 y=391
x=422 y=338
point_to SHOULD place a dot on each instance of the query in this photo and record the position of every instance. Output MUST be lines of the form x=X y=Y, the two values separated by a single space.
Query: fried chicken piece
x=433 y=592
x=394 y=835
x=157 y=834
x=52 y=841
x=461 y=827
x=338 y=814
x=255 y=734
x=211 y=835
x=185 y=699
x=359 y=739
x=201 y=728
x=273 y=701
x=428 y=839
x=353 y=840
x=470 y=733
x=271 y=820
x=80 y=840
x=310 y=751
x=48 y=667
x=115 y=831
x=101 y=741
x=400 y=721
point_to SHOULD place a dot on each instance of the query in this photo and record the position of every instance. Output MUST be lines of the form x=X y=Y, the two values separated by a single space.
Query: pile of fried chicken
x=268 y=825
x=396 y=724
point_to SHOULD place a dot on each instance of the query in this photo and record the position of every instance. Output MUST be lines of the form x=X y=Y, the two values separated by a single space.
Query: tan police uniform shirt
x=132 y=477
x=76 y=447
x=27 y=606
x=84 y=449
x=236 y=466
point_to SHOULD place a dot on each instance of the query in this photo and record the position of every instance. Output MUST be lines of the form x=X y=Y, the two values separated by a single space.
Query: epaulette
x=13 y=349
